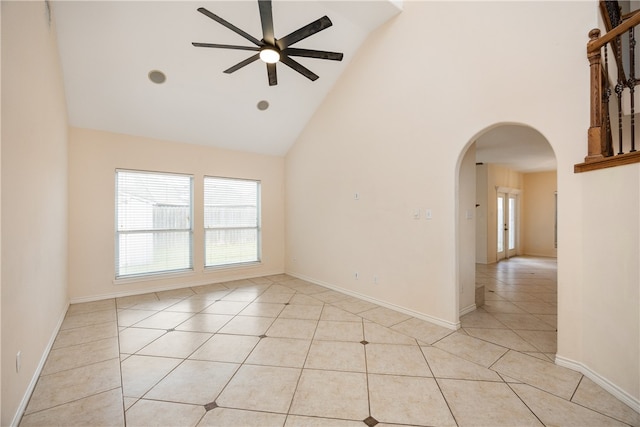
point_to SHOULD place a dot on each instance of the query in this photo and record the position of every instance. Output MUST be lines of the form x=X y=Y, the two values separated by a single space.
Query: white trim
x=171 y=287
x=540 y=255
x=149 y=277
x=248 y=264
x=468 y=309
x=508 y=190
x=440 y=322
x=620 y=394
x=36 y=375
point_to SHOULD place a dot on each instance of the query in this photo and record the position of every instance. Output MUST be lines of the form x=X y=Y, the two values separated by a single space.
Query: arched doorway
x=505 y=237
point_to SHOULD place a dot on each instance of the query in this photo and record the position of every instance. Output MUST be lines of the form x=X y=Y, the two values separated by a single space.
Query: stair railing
x=600 y=150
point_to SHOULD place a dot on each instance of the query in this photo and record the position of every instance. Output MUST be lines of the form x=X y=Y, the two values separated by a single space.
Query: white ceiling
x=517 y=147
x=107 y=49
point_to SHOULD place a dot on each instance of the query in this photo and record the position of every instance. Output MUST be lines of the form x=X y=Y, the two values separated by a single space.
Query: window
x=153 y=223
x=231 y=221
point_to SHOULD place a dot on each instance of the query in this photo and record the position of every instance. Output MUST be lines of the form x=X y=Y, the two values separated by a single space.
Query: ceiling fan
x=272 y=50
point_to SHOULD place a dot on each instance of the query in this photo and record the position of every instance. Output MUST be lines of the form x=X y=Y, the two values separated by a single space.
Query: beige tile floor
x=279 y=351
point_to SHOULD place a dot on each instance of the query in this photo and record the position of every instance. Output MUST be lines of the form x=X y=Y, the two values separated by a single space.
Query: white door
x=507 y=225
x=512 y=228
x=501 y=226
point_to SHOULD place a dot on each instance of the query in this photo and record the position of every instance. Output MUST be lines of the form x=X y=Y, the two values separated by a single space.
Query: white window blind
x=231 y=221
x=153 y=222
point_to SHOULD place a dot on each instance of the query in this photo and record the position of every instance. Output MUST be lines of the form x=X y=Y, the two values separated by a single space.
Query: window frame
x=258 y=226
x=190 y=231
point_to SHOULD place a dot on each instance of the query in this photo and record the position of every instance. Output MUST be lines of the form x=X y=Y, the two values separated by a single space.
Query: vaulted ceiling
x=108 y=49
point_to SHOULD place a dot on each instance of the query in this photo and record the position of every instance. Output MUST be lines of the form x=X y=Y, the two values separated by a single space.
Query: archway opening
x=506 y=238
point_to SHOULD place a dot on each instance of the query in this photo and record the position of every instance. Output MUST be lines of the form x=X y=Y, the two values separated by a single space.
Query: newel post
x=596 y=142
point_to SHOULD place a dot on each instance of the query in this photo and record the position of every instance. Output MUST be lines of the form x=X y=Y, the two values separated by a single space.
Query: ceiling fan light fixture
x=269 y=55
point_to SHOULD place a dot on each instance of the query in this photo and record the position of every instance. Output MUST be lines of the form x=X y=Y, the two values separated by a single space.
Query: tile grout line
x=576 y=389
x=437 y=382
x=69 y=402
x=124 y=410
x=168 y=373
x=187 y=357
x=364 y=343
x=295 y=389
x=445 y=400
x=325 y=305
x=243 y=362
x=525 y=403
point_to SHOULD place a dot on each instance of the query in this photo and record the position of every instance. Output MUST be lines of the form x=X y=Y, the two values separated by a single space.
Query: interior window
x=231 y=221
x=154 y=231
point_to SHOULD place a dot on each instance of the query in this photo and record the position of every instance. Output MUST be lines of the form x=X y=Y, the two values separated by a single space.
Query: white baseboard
x=539 y=255
x=623 y=396
x=421 y=316
x=171 y=287
x=34 y=380
x=468 y=309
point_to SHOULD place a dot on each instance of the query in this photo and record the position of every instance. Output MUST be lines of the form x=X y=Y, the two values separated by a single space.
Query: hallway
x=279 y=351
x=520 y=309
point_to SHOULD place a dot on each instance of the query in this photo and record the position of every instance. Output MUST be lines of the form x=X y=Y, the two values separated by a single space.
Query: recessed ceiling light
x=157 y=77
x=263 y=105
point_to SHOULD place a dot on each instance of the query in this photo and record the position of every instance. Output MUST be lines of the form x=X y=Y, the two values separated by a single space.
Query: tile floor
x=279 y=351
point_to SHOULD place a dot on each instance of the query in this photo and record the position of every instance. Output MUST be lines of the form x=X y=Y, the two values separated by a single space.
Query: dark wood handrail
x=630 y=14
x=597 y=44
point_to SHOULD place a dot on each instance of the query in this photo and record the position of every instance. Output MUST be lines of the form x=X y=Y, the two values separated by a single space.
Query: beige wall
x=538 y=213
x=482 y=199
x=394 y=130
x=398 y=143
x=610 y=289
x=467 y=231
x=34 y=197
x=93 y=158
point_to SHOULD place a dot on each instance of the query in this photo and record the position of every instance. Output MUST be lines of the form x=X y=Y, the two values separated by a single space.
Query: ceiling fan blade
x=304 y=32
x=271 y=72
x=230 y=26
x=308 y=53
x=298 y=67
x=266 y=18
x=239 y=65
x=225 y=46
